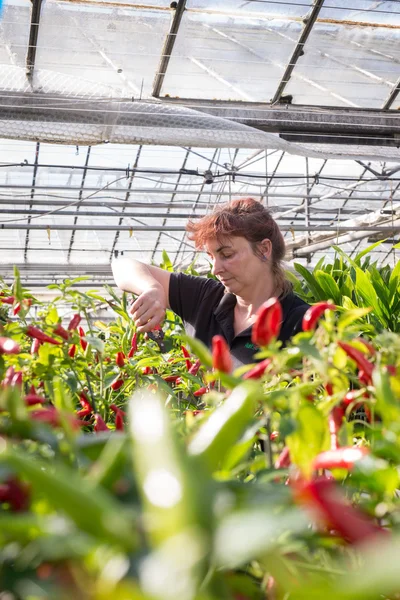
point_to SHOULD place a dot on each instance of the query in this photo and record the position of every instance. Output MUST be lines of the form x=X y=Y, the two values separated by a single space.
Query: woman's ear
x=266 y=248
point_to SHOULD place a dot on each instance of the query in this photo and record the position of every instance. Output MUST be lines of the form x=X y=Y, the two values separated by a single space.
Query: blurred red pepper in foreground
x=16 y=494
x=259 y=370
x=8 y=346
x=364 y=365
x=323 y=496
x=314 y=313
x=187 y=356
x=339 y=458
x=221 y=356
x=268 y=323
x=38 y=334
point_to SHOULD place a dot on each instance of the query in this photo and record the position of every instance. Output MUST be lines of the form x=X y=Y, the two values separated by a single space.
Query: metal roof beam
x=299 y=49
x=392 y=96
x=33 y=38
x=168 y=47
x=133 y=228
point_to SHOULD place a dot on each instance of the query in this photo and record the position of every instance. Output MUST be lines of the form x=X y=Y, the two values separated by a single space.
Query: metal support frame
x=392 y=96
x=69 y=227
x=171 y=203
x=33 y=38
x=71 y=242
x=168 y=47
x=126 y=199
x=33 y=189
x=299 y=49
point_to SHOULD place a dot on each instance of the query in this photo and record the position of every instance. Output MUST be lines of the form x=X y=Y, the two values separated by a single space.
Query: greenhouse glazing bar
x=299 y=49
x=133 y=228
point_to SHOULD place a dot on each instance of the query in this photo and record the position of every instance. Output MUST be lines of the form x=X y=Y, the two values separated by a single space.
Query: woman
x=246 y=248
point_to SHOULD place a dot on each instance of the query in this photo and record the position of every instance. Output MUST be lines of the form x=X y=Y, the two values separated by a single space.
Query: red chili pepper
x=35 y=346
x=8 y=346
x=194 y=369
x=120 y=359
x=72 y=351
x=99 y=424
x=259 y=370
x=82 y=341
x=147 y=371
x=17 y=308
x=335 y=421
x=339 y=458
x=200 y=392
x=324 y=496
x=8 y=300
x=119 y=422
x=17 y=379
x=51 y=416
x=119 y=417
x=391 y=369
x=351 y=397
x=367 y=345
x=134 y=342
x=283 y=461
x=9 y=374
x=84 y=402
x=84 y=412
x=329 y=388
x=362 y=363
x=74 y=322
x=32 y=399
x=172 y=378
x=116 y=409
x=16 y=494
x=59 y=330
x=187 y=356
x=38 y=334
x=314 y=313
x=268 y=323
x=221 y=357
x=274 y=435
x=117 y=383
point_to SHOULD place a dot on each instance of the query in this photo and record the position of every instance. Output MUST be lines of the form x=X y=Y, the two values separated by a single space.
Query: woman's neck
x=248 y=304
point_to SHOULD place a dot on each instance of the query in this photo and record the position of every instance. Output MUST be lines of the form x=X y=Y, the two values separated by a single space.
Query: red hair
x=248 y=218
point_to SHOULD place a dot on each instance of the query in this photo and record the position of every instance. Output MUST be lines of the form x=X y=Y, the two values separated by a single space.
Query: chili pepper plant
x=147 y=467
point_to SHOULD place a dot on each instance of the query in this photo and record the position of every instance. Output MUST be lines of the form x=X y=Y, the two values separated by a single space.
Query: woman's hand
x=149 y=308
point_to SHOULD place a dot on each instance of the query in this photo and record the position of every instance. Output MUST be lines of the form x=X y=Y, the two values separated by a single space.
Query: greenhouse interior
x=230 y=430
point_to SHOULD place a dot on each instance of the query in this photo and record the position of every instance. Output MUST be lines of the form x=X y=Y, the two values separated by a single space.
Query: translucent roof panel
x=328 y=74
x=235 y=58
x=118 y=47
x=14 y=32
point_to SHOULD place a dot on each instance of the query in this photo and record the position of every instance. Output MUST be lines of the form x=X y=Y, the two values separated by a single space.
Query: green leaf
x=173 y=494
x=95 y=342
x=368 y=293
x=166 y=262
x=215 y=438
x=309 y=439
x=311 y=281
x=329 y=286
x=367 y=251
x=90 y=507
x=348 y=317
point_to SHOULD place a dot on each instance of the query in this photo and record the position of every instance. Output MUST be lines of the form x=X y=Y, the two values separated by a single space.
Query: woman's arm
x=150 y=284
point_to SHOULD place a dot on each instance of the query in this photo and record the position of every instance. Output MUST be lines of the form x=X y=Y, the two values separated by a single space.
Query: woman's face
x=236 y=265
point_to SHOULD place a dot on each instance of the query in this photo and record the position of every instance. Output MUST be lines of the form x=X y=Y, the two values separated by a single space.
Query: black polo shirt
x=207 y=310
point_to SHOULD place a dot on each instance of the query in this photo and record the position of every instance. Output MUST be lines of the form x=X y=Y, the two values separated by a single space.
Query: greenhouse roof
x=120 y=121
